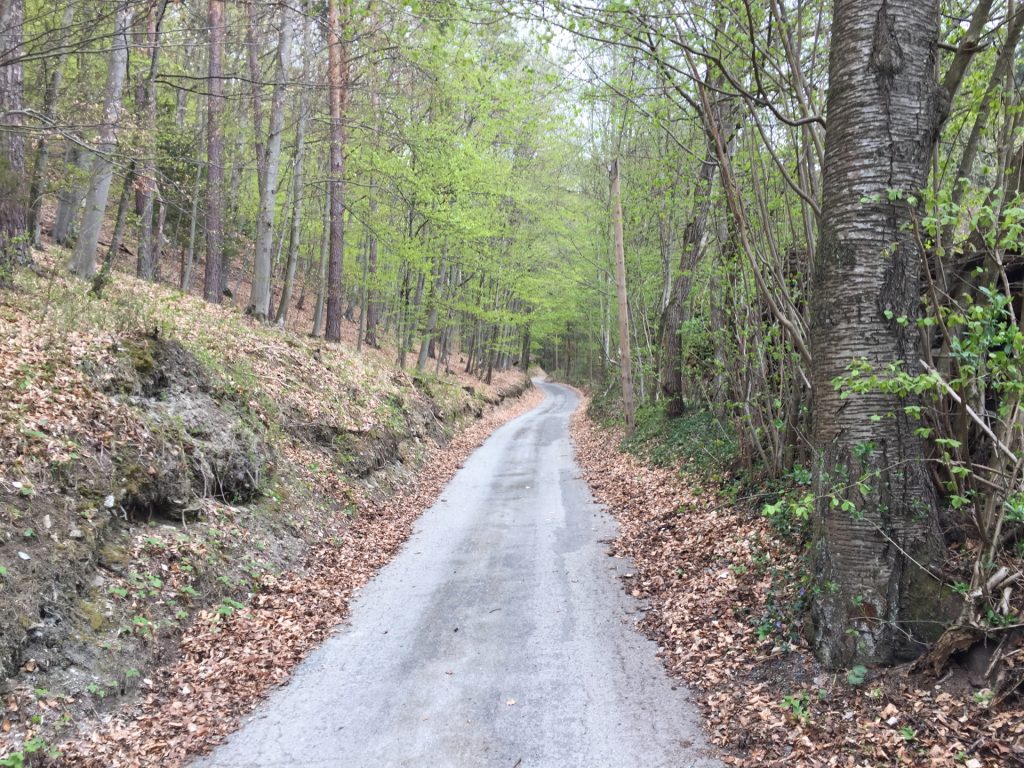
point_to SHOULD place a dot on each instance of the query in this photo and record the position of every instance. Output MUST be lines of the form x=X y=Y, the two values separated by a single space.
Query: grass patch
x=696 y=440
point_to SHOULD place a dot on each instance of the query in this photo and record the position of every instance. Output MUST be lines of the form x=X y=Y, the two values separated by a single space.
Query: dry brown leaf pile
x=701 y=565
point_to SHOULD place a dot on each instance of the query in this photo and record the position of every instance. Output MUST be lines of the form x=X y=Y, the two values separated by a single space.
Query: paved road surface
x=499 y=636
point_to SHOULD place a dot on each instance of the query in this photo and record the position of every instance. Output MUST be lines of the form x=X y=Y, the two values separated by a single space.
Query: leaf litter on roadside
x=229 y=661
x=704 y=567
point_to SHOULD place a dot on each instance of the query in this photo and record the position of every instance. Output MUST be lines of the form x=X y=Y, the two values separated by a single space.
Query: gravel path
x=499 y=636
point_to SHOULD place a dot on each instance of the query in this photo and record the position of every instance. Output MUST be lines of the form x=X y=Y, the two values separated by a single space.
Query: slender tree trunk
x=875 y=528
x=524 y=353
x=321 y=293
x=431 y=322
x=255 y=88
x=625 y=356
x=672 y=318
x=70 y=198
x=100 y=280
x=233 y=201
x=84 y=263
x=365 y=292
x=160 y=215
x=213 y=276
x=372 y=312
x=13 y=225
x=146 y=265
x=338 y=95
x=298 y=180
x=259 y=298
x=1004 y=62
x=37 y=187
x=189 y=262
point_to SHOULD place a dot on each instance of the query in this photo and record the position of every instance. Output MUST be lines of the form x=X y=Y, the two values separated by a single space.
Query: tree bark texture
x=671 y=375
x=337 y=96
x=876 y=600
x=215 y=158
x=625 y=355
x=259 y=298
x=146 y=264
x=38 y=184
x=102 y=169
x=13 y=211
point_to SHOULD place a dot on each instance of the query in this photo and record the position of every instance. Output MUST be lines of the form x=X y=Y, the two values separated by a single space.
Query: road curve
x=499 y=636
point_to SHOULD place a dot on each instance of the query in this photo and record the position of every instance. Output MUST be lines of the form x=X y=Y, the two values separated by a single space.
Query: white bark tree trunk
x=84 y=260
x=259 y=298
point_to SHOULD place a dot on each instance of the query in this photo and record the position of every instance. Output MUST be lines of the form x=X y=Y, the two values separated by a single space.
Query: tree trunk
x=337 y=96
x=372 y=311
x=146 y=265
x=524 y=353
x=213 y=276
x=875 y=600
x=259 y=297
x=189 y=261
x=160 y=215
x=233 y=198
x=255 y=88
x=321 y=293
x=99 y=282
x=1004 y=63
x=38 y=185
x=298 y=183
x=625 y=356
x=13 y=235
x=431 y=320
x=70 y=198
x=671 y=374
x=84 y=264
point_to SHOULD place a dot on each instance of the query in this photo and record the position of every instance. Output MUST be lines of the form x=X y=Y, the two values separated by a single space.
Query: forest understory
x=192 y=501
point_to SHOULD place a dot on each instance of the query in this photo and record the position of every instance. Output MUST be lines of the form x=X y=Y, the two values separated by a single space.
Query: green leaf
x=857 y=675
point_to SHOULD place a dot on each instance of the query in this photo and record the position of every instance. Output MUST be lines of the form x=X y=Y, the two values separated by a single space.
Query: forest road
x=499 y=636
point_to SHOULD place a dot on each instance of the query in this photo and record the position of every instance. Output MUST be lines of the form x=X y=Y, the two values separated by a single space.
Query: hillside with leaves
x=168 y=462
